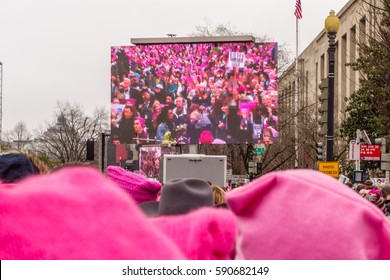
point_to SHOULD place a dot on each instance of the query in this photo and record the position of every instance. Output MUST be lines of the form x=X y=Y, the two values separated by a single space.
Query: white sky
x=60 y=50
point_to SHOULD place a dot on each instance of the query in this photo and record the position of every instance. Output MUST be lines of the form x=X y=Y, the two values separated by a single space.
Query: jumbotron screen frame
x=194 y=93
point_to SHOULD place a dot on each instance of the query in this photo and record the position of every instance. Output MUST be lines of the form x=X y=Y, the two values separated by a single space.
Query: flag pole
x=296 y=93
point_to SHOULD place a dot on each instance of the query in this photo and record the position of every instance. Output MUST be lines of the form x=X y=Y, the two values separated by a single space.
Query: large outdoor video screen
x=203 y=93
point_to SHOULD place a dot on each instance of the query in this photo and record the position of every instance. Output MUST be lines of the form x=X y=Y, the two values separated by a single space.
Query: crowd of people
x=79 y=213
x=227 y=91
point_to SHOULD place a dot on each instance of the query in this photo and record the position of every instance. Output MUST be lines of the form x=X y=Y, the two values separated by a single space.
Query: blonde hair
x=219 y=194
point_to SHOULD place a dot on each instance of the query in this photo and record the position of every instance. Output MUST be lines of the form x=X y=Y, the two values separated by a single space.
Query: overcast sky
x=60 y=50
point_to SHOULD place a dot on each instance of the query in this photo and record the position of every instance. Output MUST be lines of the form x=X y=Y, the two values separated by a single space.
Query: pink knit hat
x=305 y=214
x=204 y=234
x=206 y=137
x=140 y=188
x=76 y=213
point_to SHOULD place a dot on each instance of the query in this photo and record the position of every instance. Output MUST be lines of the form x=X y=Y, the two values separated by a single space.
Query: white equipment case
x=209 y=168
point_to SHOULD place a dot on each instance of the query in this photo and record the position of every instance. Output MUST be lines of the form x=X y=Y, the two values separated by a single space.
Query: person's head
x=212 y=100
x=219 y=194
x=244 y=113
x=126 y=83
x=206 y=137
x=194 y=116
x=225 y=109
x=385 y=192
x=16 y=165
x=266 y=100
x=359 y=187
x=267 y=137
x=368 y=184
x=156 y=106
x=130 y=102
x=168 y=99
x=158 y=88
x=181 y=196
x=139 y=124
x=179 y=102
x=128 y=112
x=166 y=115
x=145 y=95
x=292 y=197
x=115 y=140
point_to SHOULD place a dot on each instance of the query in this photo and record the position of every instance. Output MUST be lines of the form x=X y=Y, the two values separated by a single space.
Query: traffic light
x=323 y=108
x=90 y=150
x=320 y=151
x=385 y=156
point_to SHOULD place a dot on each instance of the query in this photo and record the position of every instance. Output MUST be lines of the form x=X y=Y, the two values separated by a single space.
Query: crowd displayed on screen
x=194 y=93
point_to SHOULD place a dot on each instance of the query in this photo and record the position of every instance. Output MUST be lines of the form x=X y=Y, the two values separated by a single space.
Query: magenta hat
x=76 y=214
x=140 y=188
x=203 y=234
x=305 y=214
x=206 y=137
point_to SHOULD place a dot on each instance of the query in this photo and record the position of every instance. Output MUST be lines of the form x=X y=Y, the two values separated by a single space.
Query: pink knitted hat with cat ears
x=140 y=188
x=305 y=214
x=76 y=214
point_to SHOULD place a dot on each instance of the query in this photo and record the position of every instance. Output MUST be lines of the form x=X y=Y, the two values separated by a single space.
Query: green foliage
x=369 y=107
x=4 y=146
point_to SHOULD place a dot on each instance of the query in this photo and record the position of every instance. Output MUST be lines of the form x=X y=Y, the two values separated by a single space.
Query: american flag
x=298 y=9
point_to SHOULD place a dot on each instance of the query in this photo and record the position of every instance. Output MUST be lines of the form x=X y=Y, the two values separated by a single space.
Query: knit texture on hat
x=140 y=188
x=305 y=214
x=204 y=234
x=76 y=213
x=14 y=167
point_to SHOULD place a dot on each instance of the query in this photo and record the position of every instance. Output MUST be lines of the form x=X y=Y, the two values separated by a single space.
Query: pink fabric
x=76 y=213
x=203 y=234
x=140 y=188
x=305 y=214
x=206 y=137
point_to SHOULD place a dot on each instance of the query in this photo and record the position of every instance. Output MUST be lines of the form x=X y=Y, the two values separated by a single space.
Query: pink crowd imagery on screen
x=197 y=93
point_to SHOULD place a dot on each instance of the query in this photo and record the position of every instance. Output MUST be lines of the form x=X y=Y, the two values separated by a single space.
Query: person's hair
x=368 y=183
x=141 y=120
x=132 y=109
x=39 y=165
x=359 y=188
x=219 y=194
x=385 y=191
x=163 y=118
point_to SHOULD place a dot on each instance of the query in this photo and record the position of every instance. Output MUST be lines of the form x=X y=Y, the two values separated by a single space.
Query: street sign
x=358 y=176
x=354 y=150
x=343 y=179
x=259 y=149
x=329 y=167
x=370 y=152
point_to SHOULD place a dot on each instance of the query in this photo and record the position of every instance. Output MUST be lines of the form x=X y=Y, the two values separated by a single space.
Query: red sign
x=370 y=152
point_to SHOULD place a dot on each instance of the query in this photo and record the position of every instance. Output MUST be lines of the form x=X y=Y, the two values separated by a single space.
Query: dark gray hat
x=14 y=167
x=180 y=196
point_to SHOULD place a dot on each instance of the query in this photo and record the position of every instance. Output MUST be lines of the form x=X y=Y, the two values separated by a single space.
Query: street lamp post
x=332 y=24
